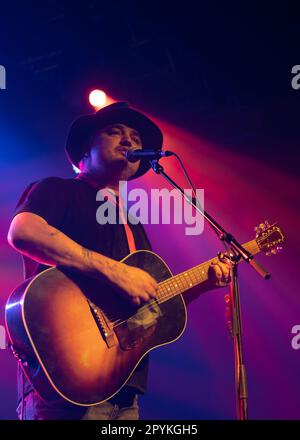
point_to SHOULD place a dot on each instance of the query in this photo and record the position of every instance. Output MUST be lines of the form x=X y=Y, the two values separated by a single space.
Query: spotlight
x=97 y=98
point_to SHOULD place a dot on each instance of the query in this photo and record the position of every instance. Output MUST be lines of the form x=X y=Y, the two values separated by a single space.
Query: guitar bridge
x=106 y=332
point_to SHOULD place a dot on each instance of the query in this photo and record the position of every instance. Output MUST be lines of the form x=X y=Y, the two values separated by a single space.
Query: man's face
x=108 y=151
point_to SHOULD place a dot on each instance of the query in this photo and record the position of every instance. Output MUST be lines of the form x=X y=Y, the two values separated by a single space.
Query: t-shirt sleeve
x=47 y=198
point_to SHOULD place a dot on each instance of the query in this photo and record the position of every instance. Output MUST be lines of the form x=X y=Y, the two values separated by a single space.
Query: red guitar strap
x=128 y=231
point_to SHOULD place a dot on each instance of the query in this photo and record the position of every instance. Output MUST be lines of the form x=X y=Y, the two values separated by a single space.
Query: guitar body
x=78 y=339
x=86 y=337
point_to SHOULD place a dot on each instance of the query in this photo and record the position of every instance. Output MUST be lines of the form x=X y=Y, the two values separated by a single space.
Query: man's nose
x=125 y=140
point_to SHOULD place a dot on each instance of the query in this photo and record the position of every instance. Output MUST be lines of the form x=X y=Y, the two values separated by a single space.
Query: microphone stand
x=236 y=254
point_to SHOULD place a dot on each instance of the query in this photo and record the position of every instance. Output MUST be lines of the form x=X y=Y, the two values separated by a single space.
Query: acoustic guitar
x=86 y=338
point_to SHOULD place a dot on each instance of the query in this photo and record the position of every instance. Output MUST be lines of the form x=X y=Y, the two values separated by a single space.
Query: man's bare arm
x=31 y=235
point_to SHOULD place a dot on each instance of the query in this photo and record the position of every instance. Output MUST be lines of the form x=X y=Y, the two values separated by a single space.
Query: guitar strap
x=128 y=231
x=111 y=197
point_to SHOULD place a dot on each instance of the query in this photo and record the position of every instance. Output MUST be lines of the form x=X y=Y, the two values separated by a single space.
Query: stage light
x=97 y=98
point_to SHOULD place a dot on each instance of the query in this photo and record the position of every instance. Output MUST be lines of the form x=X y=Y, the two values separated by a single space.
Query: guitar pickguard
x=139 y=326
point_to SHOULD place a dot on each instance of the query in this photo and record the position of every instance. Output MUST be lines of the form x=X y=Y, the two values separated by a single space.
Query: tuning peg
x=261 y=227
x=264 y=226
x=278 y=248
x=258 y=230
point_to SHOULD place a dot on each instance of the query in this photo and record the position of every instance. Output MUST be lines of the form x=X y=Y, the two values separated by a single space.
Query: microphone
x=135 y=155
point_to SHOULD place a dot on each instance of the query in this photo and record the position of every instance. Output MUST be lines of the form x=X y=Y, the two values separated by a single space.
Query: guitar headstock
x=269 y=237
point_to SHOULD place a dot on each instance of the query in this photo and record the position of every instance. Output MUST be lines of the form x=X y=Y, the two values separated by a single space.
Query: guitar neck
x=184 y=281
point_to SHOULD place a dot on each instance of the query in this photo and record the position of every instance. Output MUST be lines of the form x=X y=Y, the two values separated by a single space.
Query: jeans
x=122 y=406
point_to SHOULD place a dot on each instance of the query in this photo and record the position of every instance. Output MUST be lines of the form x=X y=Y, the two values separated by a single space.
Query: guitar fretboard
x=184 y=281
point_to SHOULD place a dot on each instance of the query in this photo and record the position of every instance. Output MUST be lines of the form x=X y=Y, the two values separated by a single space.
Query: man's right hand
x=31 y=235
x=135 y=284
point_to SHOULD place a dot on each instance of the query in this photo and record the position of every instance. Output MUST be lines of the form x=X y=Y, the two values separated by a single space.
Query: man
x=55 y=224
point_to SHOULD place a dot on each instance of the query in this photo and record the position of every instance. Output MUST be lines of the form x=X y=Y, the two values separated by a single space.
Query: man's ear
x=83 y=159
x=87 y=153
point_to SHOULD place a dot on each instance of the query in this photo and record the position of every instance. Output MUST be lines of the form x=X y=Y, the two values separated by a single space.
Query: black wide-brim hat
x=85 y=127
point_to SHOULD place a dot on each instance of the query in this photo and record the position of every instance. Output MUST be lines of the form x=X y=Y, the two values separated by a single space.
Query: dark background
x=219 y=69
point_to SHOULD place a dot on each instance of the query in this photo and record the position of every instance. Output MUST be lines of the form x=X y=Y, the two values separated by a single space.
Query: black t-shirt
x=70 y=206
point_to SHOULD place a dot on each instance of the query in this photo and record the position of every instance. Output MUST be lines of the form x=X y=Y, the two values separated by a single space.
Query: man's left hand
x=218 y=276
x=219 y=273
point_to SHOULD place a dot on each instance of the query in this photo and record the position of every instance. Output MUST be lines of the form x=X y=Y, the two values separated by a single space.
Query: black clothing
x=70 y=206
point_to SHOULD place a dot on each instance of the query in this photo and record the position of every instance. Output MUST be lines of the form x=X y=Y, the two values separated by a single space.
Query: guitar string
x=166 y=293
